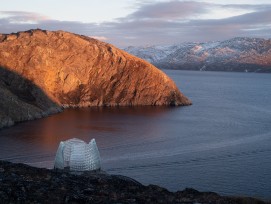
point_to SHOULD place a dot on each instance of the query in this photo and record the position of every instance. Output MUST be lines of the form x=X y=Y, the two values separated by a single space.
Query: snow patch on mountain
x=236 y=54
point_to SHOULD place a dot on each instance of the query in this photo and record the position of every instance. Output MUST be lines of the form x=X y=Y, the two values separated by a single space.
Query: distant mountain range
x=238 y=54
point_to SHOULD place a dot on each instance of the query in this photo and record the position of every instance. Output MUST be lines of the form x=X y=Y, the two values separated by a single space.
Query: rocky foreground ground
x=20 y=183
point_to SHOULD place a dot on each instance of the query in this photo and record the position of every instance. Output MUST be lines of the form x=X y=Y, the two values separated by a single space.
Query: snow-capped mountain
x=237 y=54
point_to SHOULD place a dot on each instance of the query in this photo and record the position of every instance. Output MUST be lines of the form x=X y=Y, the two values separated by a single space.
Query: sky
x=142 y=22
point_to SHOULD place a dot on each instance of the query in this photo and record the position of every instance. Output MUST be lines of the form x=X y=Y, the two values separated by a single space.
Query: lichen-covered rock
x=70 y=70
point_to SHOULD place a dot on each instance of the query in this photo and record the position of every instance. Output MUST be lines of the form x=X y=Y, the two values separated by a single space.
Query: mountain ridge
x=242 y=54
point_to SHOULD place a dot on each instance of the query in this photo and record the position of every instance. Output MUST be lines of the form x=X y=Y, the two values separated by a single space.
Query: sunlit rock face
x=43 y=70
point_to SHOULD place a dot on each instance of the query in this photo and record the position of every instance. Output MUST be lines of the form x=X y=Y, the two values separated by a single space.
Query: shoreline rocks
x=20 y=183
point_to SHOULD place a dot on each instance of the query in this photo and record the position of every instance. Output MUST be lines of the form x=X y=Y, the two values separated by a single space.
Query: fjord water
x=221 y=143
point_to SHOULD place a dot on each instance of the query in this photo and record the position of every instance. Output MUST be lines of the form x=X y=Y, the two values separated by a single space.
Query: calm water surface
x=221 y=143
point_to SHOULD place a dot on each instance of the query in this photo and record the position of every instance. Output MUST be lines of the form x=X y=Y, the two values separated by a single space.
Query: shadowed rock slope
x=42 y=71
x=22 y=100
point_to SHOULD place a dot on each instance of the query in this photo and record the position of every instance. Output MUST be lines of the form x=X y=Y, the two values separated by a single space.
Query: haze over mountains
x=238 y=54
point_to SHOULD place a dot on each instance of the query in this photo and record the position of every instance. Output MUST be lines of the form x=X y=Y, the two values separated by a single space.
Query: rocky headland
x=42 y=72
x=20 y=183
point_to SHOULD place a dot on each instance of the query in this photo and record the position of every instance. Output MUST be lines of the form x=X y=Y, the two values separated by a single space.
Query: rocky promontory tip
x=42 y=71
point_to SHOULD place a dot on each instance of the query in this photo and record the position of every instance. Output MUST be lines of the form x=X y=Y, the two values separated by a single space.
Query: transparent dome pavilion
x=76 y=155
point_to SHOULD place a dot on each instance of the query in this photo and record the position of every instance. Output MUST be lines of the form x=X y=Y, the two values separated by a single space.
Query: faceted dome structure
x=76 y=155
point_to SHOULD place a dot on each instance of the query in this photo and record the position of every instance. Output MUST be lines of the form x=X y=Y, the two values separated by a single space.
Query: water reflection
x=40 y=138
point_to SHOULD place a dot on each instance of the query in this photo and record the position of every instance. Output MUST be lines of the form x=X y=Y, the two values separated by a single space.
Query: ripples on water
x=221 y=143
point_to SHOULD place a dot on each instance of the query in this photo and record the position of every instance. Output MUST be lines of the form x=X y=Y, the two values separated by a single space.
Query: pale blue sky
x=73 y=10
x=134 y=22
